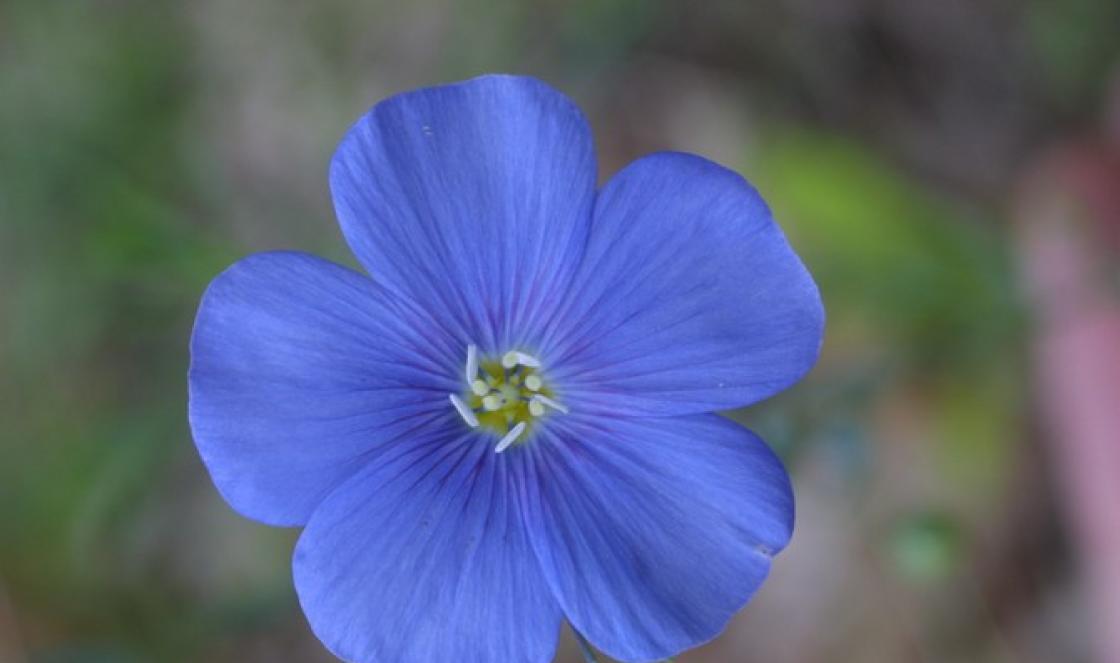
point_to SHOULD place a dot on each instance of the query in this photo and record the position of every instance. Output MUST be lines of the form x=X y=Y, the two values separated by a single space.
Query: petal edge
x=689 y=298
x=653 y=532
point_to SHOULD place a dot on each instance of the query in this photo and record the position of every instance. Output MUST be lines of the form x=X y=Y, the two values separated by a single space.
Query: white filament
x=510 y=438
x=472 y=363
x=528 y=360
x=545 y=400
x=465 y=412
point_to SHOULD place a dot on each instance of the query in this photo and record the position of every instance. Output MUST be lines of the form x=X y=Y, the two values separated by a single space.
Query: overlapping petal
x=423 y=558
x=299 y=369
x=688 y=299
x=473 y=198
x=653 y=532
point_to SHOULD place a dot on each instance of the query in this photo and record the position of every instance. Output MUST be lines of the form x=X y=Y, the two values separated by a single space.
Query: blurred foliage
x=926 y=548
x=919 y=290
x=1077 y=47
x=889 y=256
x=102 y=267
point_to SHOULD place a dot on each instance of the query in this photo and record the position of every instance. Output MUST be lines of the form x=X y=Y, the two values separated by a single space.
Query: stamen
x=510 y=438
x=513 y=358
x=528 y=360
x=504 y=396
x=464 y=411
x=541 y=398
x=472 y=363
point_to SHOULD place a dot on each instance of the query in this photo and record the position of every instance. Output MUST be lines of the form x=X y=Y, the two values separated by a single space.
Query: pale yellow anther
x=533 y=383
x=536 y=408
x=479 y=387
x=492 y=402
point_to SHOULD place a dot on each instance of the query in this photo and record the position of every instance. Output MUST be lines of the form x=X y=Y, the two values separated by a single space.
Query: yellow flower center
x=507 y=395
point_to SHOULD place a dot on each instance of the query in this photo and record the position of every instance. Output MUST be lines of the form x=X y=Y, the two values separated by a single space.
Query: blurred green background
x=146 y=145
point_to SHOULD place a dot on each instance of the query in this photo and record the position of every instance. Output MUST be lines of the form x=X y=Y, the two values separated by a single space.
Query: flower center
x=506 y=395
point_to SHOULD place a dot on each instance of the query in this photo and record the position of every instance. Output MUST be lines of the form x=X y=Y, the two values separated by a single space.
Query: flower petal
x=653 y=532
x=423 y=558
x=473 y=198
x=689 y=298
x=299 y=367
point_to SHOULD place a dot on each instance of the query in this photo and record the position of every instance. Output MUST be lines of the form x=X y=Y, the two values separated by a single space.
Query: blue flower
x=508 y=422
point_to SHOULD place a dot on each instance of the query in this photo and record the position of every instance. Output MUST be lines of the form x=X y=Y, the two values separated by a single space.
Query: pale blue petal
x=423 y=558
x=473 y=198
x=689 y=299
x=653 y=532
x=299 y=368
